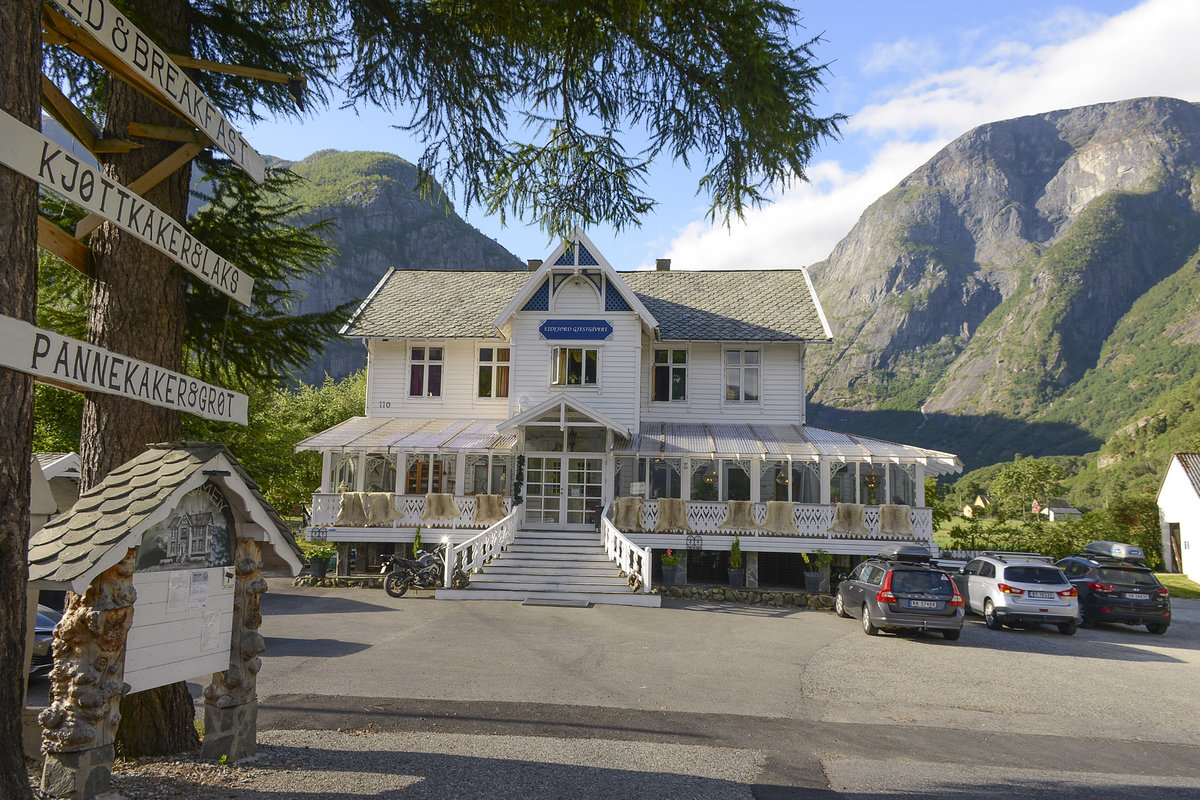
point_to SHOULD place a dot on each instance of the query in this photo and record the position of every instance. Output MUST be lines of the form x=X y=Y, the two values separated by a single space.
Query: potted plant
x=816 y=579
x=416 y=545
x=737 y=573
x=318 y=559
x=670 y=568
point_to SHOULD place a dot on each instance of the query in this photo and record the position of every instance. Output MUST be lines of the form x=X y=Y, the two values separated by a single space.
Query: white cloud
x=1149 y=50
x=903 y=55
x=803 y=225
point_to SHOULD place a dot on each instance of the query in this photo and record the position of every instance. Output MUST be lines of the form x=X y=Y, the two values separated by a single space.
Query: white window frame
x=741 y=367
x=495 y=364
x=425 y=363
x=670 y=366
x=557 y=353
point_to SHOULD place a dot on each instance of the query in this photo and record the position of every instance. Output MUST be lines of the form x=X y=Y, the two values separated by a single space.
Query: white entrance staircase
x=556 y=567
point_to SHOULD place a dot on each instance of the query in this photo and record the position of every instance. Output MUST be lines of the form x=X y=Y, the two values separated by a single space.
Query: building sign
x=83 y=367
x=39 y=158
x=575 y=329
x=118 y=35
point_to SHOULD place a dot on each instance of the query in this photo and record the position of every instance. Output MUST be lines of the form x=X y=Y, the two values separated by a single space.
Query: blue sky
x=911 y=75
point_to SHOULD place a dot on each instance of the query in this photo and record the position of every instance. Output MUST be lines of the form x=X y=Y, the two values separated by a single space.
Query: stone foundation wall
x=342 y=581
x=752 y=597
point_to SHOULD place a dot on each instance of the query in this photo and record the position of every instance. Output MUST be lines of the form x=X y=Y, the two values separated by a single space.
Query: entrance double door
x=560 y=490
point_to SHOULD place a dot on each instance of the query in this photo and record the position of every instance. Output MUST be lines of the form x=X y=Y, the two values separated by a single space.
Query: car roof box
x=912 y=553
x=1126 y=552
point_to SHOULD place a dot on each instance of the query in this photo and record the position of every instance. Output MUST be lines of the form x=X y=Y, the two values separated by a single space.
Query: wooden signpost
x=119 y=36
x=39 y=158
x=82 y=367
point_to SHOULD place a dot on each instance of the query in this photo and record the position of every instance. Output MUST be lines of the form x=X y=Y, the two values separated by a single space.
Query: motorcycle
x=425 y=571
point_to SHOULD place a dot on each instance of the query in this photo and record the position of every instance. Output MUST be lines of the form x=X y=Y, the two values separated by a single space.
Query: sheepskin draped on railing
x=743 y=518
x=387 y=510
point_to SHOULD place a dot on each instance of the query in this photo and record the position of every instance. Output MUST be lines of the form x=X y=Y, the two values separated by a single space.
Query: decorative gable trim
x=614 y=300
x=577 y=252
x=562 y=404
x=540 y=300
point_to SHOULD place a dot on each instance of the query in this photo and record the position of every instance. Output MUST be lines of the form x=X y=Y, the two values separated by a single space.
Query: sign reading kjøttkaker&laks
x=123 y=39
x=39 y=158
x=81 y=366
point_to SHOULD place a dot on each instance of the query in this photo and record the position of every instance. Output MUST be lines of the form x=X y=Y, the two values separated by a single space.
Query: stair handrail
x=479 y=550
x=631 y=559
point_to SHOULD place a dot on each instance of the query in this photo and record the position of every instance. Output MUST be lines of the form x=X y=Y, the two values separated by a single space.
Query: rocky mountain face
x=973 y=303
x=381 y=222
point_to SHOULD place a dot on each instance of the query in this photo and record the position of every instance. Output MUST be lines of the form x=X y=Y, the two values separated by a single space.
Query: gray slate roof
x=736 y=305
x=71 y=544
x=435 y=304
x=742 y=305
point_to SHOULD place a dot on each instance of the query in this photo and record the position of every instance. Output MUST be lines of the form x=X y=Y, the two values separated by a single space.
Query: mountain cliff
x=381 y=222
x=1025 y=290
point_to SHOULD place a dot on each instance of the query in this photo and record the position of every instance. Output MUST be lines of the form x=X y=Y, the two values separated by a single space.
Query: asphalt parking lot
x=366 y=696
x=415 y=698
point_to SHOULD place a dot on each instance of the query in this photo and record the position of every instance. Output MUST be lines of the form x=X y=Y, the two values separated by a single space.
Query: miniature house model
x=163 y=565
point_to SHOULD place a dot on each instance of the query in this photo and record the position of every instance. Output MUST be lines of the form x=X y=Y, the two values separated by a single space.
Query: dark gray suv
x=901 y=589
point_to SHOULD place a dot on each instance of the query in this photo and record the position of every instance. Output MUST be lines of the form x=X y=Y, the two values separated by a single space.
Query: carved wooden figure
x=87 y=683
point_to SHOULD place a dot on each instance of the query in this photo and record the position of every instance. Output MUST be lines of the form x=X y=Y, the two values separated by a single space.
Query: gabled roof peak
x=576 y=252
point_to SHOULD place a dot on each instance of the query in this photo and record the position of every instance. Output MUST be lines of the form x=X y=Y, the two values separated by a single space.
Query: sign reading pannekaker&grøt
x=83 y=367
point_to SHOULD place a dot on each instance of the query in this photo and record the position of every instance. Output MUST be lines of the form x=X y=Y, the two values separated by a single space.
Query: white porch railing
x=631 y=559
x=811 y=521
x=327 y=507
x=474 y=553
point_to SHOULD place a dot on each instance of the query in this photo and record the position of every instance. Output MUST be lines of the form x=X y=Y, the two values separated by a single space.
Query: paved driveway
x=365 y=695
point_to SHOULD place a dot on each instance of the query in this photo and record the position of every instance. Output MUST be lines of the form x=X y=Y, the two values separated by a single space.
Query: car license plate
x=922 y=604
x=1136 y=596
x=1041 y=595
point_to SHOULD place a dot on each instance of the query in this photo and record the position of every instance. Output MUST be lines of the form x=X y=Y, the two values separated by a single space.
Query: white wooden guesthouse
x=671 y=402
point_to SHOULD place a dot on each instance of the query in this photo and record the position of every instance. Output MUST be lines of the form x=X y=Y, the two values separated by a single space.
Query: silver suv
x=1019 y=589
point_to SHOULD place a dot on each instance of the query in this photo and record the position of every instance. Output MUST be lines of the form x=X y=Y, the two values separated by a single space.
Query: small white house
x=1179 y=513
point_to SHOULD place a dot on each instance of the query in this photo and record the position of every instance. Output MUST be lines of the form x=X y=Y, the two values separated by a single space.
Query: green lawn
x=1179 y=585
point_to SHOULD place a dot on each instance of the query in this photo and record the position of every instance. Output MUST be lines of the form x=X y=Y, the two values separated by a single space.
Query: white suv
x=1019 y=589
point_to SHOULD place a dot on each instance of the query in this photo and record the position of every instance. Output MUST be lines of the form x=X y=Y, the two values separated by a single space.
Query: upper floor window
x=425 y=372
x=574 y=366
x=670 y=375
x=493 y=371
x=741 y=376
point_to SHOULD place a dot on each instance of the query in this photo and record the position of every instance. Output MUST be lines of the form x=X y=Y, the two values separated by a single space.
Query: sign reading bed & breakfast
x=576 y=329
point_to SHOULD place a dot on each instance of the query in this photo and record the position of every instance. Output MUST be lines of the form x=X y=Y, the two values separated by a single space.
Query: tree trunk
x=157 y=722
x=137 y=310
x=19 y=97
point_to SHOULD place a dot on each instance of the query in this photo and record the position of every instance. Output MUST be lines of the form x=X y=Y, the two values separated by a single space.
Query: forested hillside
x=381 y=222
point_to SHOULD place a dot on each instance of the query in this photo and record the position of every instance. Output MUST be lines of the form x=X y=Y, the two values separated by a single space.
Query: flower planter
x=670 y=575
x=816 y=582
x=318 y=567
x=737 y=577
